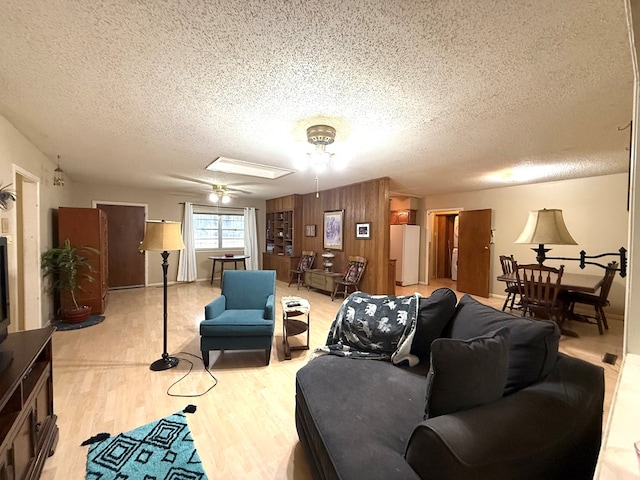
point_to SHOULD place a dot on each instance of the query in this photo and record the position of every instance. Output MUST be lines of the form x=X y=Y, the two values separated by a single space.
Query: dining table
x=235 y=259
x=577 y=282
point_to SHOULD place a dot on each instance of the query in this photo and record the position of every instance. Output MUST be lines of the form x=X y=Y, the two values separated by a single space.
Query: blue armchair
x=243 y=316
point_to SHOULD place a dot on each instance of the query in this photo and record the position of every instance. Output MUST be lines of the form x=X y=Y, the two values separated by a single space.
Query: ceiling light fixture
x=58 y=176
x=219 y=194
x=320 y=159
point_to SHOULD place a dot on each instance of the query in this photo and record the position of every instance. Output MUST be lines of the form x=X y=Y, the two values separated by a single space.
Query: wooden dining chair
x=598 y=302
x=512 y=290
x=351 y=277
x=305 y=263
x=539 y=289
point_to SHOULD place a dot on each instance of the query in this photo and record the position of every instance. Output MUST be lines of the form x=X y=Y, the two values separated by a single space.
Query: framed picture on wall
x=310 y=230
x=363 y=230
x=333 y=229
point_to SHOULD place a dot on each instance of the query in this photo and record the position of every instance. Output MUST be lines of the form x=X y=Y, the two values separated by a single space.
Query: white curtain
x=187 y=267
x=251 y=238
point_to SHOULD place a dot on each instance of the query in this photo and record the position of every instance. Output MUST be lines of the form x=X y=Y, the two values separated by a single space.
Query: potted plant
x=69 y=268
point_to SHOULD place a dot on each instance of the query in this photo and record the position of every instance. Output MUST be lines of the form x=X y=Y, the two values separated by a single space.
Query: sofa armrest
x=269 y=310
x=215 y=308
x=550 y=430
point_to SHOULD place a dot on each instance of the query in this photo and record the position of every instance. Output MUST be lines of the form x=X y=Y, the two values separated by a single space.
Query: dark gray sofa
x=364 y=419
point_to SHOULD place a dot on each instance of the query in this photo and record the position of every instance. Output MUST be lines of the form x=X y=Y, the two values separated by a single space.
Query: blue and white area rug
x=160 y=450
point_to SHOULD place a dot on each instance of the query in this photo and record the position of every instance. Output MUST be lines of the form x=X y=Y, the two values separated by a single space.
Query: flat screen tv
x=5 y=357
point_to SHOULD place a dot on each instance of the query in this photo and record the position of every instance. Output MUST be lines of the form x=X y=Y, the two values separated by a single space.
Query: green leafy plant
x=68 y=267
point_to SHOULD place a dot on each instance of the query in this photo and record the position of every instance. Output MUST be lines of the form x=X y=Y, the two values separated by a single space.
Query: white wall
x=16 y=150
x=594 y=210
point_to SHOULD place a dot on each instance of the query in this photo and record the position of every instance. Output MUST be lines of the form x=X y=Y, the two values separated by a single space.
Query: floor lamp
x=161 y=236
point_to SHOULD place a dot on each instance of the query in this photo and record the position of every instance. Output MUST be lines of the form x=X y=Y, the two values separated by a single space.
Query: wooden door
x=126 y=231
x=474 y=252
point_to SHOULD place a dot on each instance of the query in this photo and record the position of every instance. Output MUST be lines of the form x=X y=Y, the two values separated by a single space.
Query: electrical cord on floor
x=215 y=380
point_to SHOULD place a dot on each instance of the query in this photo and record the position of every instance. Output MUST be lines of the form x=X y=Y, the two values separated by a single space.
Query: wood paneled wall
x=361 y=202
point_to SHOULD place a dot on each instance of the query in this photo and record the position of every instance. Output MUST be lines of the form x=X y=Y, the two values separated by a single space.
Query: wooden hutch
x=283 y=236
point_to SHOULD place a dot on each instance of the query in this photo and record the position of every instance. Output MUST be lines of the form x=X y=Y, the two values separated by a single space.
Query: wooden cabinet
x=321 y=280
x=283 y=235
x=282 y=264
x=28 y=431
x=87 y=227
x=403 y=217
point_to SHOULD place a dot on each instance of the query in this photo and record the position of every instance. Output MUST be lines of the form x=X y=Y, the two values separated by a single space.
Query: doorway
x=474 y=235
x=125 y=229
x=441 y=239
x=28 y=308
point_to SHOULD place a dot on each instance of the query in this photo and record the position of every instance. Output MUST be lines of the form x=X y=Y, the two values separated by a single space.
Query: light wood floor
x=244 y=427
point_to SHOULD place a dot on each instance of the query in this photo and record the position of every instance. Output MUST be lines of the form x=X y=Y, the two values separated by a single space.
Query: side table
x=294 y=307
x=224 y=259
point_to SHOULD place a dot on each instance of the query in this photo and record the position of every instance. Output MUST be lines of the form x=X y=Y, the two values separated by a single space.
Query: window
x=217 y=230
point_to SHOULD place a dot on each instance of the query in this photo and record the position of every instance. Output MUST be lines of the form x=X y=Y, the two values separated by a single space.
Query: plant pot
x=76 y=315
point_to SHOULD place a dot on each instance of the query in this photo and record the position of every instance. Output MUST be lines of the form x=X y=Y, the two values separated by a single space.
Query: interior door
x=474 y=252
x=125 y=226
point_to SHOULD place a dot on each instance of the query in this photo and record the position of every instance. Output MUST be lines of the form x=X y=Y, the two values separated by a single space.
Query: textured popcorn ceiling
x=441 y=96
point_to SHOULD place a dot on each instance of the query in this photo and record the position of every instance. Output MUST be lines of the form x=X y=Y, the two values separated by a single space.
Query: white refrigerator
x=405 y=248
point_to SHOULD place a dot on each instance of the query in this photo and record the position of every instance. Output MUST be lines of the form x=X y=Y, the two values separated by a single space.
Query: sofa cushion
x=356 y=416
x=466 y=373
x=533 y=344
x=434 y=313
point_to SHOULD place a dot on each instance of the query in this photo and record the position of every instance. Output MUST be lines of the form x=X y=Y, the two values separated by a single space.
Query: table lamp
x=545 y=227
x=163 y=236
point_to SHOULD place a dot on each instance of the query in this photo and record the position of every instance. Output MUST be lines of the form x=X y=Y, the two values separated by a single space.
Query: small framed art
x=363 y=230
x=310 y=230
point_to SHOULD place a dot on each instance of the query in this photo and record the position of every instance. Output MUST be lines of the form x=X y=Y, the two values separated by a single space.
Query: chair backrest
x=607 y=282
x=306 y=260
x=539 y=285
x=248 y=289
x=355 y=269
x=507 y=263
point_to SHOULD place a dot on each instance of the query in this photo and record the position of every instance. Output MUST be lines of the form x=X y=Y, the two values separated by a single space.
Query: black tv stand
x=28 y=430
x=5 y=360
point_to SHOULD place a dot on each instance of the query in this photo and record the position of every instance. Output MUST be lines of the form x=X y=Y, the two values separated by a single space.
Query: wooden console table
x=321 y=280
x=28 y=431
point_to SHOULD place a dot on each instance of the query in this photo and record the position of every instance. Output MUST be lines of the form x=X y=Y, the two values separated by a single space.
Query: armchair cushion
x=237 y=323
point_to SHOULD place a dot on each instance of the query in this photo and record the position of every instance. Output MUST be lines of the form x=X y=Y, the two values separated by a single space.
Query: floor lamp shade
x=162 y=236
x=545 y=227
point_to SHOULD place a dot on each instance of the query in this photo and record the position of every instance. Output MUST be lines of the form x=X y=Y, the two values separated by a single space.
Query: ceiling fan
x=217 y=192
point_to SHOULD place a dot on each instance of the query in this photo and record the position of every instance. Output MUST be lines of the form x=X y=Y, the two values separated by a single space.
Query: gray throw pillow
x=434 y=313
x=533 y=343
x=466 y=373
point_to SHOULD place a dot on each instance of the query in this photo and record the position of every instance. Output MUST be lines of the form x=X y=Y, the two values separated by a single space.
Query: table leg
x=213 y=269
x=221 y=272
x=287 y=348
